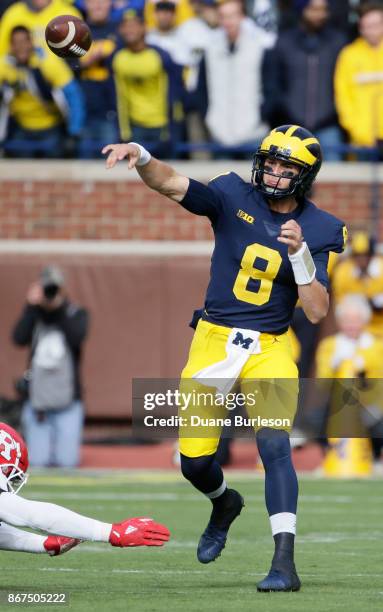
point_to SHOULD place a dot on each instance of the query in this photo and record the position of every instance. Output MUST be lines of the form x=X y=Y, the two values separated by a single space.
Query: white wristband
x=303 y=265
x=145 y=156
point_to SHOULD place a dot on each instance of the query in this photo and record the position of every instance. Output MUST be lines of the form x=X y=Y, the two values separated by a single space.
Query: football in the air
x=68 y=36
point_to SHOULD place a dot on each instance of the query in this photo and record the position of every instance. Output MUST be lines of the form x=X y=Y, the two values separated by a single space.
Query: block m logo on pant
x=239 y=340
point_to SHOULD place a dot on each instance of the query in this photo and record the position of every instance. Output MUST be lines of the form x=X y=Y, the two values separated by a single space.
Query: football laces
x=77 y=50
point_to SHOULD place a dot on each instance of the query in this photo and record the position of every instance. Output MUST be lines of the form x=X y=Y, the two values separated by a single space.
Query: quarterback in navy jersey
x=271 y=247
x=240 y=217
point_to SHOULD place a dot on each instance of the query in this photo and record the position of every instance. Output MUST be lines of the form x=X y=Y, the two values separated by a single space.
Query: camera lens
x=50 y=291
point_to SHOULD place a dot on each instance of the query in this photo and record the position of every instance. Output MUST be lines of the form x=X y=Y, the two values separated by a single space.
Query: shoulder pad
x=330 y=232
x=219 y=175
x=228 y=179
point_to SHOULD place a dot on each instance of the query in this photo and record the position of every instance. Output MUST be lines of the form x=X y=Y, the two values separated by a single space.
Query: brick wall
x=93 y=211
x=75 y=200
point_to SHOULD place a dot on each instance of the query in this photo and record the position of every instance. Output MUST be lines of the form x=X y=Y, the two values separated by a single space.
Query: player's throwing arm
x=156 y=174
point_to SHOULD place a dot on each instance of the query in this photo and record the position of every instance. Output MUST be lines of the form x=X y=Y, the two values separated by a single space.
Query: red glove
x=58 y=545
x=140 y=531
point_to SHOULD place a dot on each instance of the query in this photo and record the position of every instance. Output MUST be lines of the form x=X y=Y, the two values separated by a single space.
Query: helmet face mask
x=15 y=476
x=294 y=145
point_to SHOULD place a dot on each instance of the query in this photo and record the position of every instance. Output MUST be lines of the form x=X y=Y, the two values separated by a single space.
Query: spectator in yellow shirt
x=359 y=80
x=353 y=353
x=353 y=350
x=149 y=88
x=33 y=15
x=362 y=272
x=39 y=95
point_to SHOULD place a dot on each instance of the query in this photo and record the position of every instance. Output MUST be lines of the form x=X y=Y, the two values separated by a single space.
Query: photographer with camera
x=54 y=329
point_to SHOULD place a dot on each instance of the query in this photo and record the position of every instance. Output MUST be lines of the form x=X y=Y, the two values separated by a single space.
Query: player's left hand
x=139 y=531
x=291 y=234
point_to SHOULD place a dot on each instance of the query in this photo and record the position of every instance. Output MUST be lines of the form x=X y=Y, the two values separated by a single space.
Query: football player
x=271 y=246
x=18 y=512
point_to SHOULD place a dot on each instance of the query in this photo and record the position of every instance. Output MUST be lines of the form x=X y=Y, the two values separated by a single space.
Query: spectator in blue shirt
x=96 y=80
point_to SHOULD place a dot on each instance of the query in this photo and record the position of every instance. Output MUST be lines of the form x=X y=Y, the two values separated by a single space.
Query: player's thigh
x=201 y=418
x=208 y=347
x=270 y=384
x=274 y=361
x=202 y=412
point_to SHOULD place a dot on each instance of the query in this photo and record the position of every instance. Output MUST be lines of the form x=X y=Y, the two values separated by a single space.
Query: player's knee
x=193 y=467
x=273 y=445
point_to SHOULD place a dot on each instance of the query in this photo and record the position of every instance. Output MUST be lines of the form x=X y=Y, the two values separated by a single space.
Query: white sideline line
x=134 y=571
x=94 y=548
x=83 y=476
x=302 y=539
x=117 y=496
x=166 y=248
x=335 y=540
x=336 y=499
x=106 y=548
x=187 y=572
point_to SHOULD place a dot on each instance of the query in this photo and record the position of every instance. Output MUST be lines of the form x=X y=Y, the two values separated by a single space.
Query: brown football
x=68 y=36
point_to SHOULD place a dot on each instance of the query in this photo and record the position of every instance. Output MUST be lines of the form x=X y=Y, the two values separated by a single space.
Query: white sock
x=283 y=522
x=51 y=518
x=218 y=492
x=12 y=538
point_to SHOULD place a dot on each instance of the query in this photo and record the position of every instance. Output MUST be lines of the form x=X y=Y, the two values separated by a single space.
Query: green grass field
x=339 y=549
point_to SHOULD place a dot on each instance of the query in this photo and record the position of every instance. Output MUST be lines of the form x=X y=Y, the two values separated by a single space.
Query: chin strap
x=275 y=191
x=303 y=265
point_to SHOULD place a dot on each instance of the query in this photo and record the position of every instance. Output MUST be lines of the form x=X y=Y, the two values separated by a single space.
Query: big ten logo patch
x=245 y=216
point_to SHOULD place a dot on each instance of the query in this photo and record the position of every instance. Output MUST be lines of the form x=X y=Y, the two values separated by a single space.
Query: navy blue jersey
x=251 y=279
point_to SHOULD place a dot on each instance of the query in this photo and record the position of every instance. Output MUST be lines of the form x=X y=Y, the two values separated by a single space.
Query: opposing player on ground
x=17 y=512
x=271 y=247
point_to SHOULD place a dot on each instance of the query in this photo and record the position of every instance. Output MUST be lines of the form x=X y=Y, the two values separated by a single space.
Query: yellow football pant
x=275 y=386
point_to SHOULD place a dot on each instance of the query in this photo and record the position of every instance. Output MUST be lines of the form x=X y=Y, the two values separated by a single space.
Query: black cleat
x=213 y=539
x=280 y=579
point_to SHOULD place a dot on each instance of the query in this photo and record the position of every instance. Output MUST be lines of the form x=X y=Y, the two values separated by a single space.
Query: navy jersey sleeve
x=321 y=263
x=338 y=238
x=324 y=234
x=330 y=234
x=202 y=199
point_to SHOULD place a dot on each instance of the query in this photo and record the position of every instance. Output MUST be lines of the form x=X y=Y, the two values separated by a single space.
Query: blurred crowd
x=193 y=78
